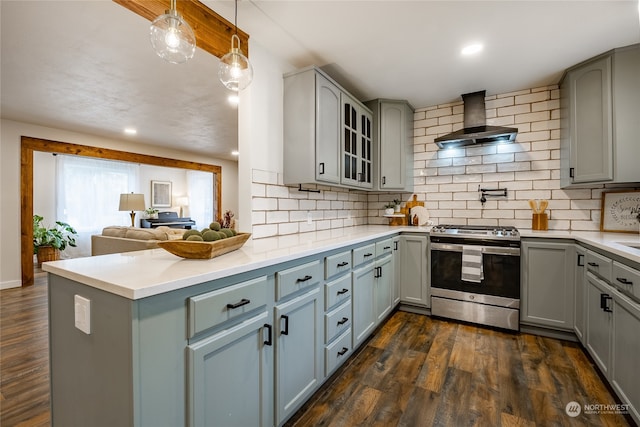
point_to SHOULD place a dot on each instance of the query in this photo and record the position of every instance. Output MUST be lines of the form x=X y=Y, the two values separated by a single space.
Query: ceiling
x=66 y=65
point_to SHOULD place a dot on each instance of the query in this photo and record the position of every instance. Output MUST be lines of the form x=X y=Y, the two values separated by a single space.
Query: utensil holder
x=540 y=221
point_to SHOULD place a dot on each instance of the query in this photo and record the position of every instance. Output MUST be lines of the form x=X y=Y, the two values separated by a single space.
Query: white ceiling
x=66 y=64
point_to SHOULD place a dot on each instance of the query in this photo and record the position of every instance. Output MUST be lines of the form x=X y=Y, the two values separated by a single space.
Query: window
x=201 y=202
x=88 y=194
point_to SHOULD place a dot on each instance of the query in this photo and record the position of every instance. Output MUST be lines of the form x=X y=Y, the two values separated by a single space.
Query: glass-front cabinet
x=357 y=144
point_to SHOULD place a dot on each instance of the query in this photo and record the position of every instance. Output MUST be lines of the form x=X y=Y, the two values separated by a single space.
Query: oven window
x=501 y=274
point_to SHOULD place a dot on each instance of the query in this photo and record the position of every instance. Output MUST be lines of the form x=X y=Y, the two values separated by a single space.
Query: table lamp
x=132 y=202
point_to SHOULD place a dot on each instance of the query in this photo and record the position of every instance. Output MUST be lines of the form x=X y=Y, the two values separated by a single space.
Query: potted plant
x=152 y=213
x=389 y=208
x=396 y=204
x=48 y=242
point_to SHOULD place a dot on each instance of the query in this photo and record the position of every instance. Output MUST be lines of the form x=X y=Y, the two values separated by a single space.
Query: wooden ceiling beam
x=213 y=32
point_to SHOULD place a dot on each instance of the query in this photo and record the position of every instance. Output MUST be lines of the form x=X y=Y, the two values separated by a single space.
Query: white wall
x=11 y=131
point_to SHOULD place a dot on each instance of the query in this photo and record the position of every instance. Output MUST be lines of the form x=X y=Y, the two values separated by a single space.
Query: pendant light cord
x=235 y=18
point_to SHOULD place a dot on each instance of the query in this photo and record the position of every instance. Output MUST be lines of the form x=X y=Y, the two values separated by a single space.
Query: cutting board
x=405 y=210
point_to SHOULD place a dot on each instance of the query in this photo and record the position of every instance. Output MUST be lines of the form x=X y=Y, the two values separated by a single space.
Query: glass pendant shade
x=235 y=72
x=172 y=38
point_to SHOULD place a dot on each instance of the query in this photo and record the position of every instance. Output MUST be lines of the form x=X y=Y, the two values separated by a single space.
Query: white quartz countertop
x=142 y=274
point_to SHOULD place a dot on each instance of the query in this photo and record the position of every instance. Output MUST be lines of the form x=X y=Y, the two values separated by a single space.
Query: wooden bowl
x=204 y=250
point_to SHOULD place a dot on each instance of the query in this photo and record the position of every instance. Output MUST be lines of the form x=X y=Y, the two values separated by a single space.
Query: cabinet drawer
x=337 y=321
x=337 y=264
x=626 y=278
x=337 y=352
x=337 y=291
x=364 y=254
x=224 y=304
x=297 y=278
x=384 y=247
x=600 y=265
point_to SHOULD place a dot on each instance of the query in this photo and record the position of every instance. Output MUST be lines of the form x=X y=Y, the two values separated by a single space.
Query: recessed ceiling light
x=235 y=153
x=130 y=131
x=233 y=99
x=471 y=49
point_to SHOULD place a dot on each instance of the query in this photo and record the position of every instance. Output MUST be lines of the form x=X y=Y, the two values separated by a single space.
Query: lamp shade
x=131 y=202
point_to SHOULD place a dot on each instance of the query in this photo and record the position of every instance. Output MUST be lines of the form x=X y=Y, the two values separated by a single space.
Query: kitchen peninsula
x=278 y=315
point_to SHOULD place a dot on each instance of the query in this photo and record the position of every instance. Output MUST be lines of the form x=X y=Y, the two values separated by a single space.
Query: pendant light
x=171 y=37
x=235 y=72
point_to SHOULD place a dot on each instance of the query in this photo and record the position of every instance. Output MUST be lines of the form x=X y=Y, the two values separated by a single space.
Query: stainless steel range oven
x=475 y=274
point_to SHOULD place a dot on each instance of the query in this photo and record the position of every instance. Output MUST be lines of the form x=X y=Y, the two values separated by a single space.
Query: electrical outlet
x=82 y=313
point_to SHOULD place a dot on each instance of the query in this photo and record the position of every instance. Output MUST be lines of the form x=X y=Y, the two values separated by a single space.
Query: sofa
x=117 y=239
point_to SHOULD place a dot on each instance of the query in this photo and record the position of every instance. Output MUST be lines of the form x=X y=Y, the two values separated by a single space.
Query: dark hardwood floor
x=415 y=371
x=420 y=371
x=24 y=355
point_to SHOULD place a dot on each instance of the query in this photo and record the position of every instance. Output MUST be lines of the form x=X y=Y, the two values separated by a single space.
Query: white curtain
x=201 y=202
x=88 y=195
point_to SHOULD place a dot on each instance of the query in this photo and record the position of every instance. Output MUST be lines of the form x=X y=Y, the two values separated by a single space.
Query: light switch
x=82 y=313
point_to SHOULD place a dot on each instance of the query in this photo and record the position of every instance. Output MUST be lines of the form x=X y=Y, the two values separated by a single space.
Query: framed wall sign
x=161 y=194
x=620 y=211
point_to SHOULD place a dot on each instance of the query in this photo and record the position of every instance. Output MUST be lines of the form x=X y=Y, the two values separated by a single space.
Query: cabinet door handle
x=384 y=180
x=378 y=272
x=387 y=247
x=240 y=303
x=321 y=166
x=604 y=298
x=286 y=325
x=395 y=246
x=368 y=255
x=269 y=340
x=571 y=172
x=580 y=260
x=343 y=351
x=343 y=321
x=593 y=264
x=624 y=281
x=343 y=291
x=343 y=264
x=305 y=278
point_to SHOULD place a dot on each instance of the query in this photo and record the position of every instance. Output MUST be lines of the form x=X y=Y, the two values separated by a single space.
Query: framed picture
x=161 y=194
x=620 y=211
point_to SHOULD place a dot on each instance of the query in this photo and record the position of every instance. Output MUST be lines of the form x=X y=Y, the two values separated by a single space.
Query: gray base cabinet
x=547 y=284
x=599 y=309
x=414 y=279
x=579 y=300
x=383 y=287
x=625 y=375
x=246 y=352
x=299 y=351
x=364 y=307
x=397 y=258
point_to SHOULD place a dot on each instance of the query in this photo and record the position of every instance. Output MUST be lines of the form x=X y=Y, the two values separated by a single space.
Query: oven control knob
x=507 y=233
x=495 y=232
x=514 y=233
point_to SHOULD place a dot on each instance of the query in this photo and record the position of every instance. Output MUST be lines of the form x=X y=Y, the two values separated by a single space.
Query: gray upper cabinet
x=599 y=100
x=312 y=116
x=327 y=133
x=393 y=137
x=357 y=144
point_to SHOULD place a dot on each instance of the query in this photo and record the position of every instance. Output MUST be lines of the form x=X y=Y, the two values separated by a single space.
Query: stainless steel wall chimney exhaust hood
x=476 y=130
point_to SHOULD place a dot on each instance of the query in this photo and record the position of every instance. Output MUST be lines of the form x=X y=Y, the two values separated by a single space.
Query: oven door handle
x=490 y=250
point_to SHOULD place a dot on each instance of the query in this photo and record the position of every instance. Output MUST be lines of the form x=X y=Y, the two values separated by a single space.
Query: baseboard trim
x=9 y=284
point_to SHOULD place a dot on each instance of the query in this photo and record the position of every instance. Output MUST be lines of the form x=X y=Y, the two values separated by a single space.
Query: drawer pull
x=304 y=279
x=387 y=248
x=593 y=264
x=604 y=298
x=286 y=325
x=343 y=291
x=343 y=321
x=269 y=340
x=343 y=351
x=240 y=303
x=624 y=281
x=368 y=255
x=343 y=264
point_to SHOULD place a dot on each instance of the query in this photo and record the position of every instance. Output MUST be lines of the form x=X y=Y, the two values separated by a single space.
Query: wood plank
x=434 y=370
x=464 y=348
x=213 y=32
x=535 y=363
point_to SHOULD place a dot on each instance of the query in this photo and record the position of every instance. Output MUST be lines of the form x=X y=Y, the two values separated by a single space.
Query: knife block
x=540 y=221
